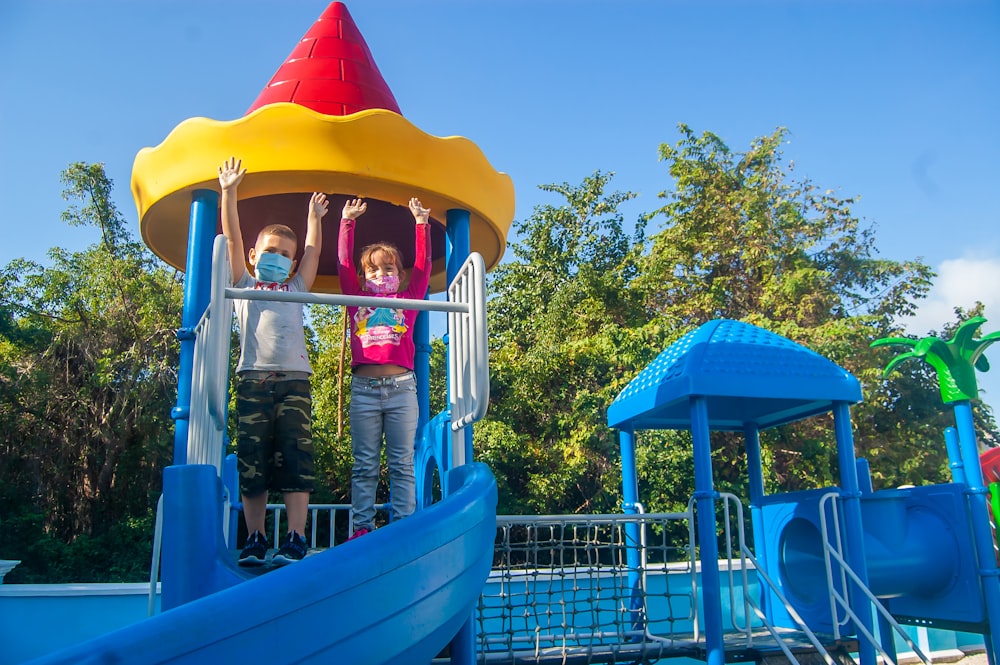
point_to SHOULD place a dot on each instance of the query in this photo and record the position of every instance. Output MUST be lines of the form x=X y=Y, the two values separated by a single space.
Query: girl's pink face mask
x=383 y=285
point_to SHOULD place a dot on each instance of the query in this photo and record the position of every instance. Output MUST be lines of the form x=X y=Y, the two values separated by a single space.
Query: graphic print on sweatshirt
x=380 y=325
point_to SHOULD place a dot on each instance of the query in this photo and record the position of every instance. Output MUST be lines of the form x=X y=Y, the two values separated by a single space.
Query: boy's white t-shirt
x=271 y=333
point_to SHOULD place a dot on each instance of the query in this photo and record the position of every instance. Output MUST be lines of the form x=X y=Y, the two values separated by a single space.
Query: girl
x=383 y=386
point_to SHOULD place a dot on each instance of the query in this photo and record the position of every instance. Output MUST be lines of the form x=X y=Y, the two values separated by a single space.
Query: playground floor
x=974 y=659
x=969 y=659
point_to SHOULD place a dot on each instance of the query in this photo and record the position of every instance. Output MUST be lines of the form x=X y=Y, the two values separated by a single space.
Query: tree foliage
x=89 y=374
x=565 y=327
x=330 y=357
x=744 y=239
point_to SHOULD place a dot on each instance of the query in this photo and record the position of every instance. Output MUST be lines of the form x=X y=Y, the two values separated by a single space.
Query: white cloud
x=961 y=283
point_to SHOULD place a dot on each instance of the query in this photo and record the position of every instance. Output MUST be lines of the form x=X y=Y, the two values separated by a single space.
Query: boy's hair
x=280 y=230
x=397 y=257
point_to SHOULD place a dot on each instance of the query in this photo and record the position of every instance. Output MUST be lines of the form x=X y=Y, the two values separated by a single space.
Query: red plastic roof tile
x=331 y=70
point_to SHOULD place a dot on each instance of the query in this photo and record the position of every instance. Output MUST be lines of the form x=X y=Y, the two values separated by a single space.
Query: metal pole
x=954 y=455
x=422 y=367
x=181 y=526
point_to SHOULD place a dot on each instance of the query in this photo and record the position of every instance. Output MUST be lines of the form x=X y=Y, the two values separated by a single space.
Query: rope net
x=594 y=588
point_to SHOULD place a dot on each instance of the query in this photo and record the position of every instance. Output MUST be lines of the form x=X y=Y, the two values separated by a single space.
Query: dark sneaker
x=292 y=550
x=360 y=532
x=255 y=551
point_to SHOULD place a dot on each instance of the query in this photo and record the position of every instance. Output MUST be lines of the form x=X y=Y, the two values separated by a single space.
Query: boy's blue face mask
x=273 y=267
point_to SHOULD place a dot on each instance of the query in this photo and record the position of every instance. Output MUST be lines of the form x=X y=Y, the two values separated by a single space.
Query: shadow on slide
x=397 y=595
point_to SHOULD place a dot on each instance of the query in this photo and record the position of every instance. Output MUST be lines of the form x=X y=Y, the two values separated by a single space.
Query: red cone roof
x=330 y=70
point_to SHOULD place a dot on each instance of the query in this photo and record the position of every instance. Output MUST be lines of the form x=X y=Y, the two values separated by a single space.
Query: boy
x=273 y=399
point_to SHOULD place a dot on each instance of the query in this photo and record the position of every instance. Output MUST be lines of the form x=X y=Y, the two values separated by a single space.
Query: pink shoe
x=357 y=534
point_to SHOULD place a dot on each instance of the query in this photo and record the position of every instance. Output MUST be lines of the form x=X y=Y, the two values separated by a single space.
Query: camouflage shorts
x=274 y=446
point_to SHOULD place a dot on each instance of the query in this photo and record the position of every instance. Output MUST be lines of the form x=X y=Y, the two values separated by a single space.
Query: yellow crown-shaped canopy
x=290 y=151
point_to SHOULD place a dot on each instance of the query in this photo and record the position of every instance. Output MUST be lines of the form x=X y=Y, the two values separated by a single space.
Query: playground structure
x=833 y=560
x=832 y=571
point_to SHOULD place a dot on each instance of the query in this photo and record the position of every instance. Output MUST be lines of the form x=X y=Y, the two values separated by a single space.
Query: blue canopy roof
x=747 y=374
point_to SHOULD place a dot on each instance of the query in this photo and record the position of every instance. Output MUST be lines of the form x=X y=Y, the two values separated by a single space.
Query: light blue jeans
x=385 y=406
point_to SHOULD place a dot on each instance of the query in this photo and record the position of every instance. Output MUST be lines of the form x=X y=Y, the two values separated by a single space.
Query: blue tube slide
x=397 y=595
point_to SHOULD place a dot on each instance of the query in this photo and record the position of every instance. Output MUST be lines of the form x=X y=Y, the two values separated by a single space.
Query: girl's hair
x=397 y=257
x=279 y=230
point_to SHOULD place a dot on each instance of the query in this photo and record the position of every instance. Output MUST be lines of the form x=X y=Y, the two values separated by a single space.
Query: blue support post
x=459 y=241
x=422 y=367
x=630 y=500
x=979 y=517
x=864 y=471
x=755 y=474
x=853 y=527
x=705 y=495
x=630 y=480
x=197 y=292
x=954 y=455
x=457 y=248
x=178 y=578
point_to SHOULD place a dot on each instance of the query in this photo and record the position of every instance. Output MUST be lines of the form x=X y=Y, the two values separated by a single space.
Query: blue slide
x=397 y=595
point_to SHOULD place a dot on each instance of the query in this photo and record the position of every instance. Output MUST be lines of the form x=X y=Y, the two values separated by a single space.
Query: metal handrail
x=310 y=298
x=468 y=368
x=833 y=554
x=210 y=368
x=728 y=500
x=220 y=312
x=799 y=622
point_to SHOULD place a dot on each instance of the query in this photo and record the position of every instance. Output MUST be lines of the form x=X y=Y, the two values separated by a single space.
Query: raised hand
x=354 y=208
x=420 y=213
x=318 y=205
x=231 y=173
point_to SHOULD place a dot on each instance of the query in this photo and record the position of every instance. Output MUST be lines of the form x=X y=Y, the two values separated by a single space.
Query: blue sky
x=895 y=102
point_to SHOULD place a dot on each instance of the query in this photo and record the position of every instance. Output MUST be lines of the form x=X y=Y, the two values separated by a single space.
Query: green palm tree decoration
x=955 y=361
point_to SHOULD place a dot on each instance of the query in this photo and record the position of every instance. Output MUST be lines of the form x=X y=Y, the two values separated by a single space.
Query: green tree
x=565 y=330
x=90 y=360
x=331 y=400
x=743 y=239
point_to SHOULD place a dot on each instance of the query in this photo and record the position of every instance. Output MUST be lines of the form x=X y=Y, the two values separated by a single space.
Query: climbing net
x=588 y=588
